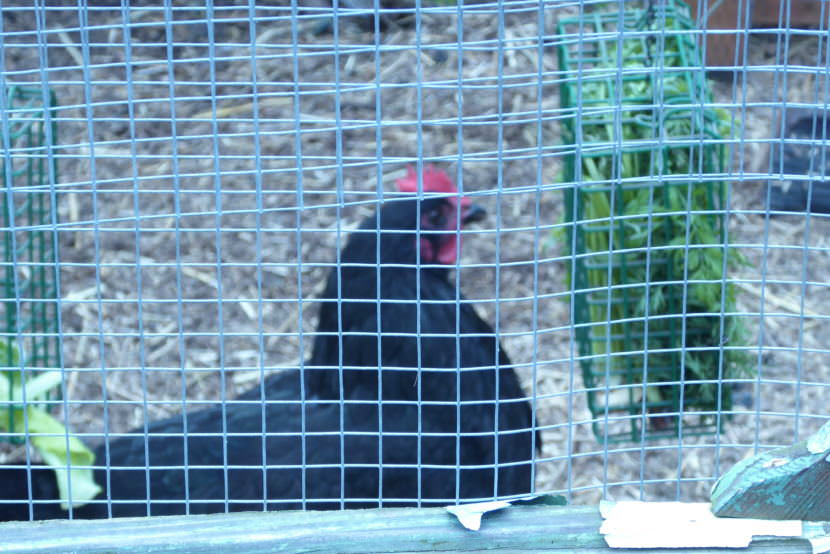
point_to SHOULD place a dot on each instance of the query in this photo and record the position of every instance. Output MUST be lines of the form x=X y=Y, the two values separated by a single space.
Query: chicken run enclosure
x=181 y=179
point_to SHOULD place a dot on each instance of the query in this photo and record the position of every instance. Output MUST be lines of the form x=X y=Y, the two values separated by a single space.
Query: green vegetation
x=49 y=437
x=28 y=279
x=648 y=223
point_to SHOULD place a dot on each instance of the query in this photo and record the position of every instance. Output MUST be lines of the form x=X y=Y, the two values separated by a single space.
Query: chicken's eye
x=436 y=219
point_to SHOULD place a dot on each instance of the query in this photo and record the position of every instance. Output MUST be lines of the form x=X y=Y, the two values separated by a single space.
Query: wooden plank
x=519 y=528
x=802 y=13
x=721 y=46
x=785 y=483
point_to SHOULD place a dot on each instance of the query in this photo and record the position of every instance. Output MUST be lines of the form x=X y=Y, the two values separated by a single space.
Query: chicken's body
x=401 y=403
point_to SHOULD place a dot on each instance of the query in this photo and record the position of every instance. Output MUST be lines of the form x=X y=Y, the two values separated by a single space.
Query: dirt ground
x=192 y=247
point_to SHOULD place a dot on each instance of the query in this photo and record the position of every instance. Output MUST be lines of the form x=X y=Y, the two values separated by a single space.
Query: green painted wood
x=516 y=529
x=785 y=483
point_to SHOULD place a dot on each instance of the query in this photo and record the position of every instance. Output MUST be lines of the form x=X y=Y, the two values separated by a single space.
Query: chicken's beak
x=473 y=213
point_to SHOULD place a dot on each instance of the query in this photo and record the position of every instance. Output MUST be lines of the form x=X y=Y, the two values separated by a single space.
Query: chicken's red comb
x=434 y=180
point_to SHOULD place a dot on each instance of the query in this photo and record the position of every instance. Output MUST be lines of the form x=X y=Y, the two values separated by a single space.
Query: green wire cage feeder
x=29 y=276
x=647 y=234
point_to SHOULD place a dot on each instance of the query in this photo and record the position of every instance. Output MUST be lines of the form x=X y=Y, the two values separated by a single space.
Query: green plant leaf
x=59 y=451
x=36 y=388
x=49 y=437
x=645 y=137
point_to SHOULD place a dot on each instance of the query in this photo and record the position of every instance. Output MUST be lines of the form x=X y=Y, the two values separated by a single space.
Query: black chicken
x=406 y=399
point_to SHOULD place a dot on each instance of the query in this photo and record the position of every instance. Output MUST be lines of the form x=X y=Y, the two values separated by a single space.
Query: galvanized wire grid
x=214 y=157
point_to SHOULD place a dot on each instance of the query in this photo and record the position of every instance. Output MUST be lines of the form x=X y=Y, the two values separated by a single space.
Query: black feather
x=409 y=416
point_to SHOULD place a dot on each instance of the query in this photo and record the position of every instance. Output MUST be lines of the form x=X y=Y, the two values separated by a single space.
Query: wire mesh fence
x=216 y=158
